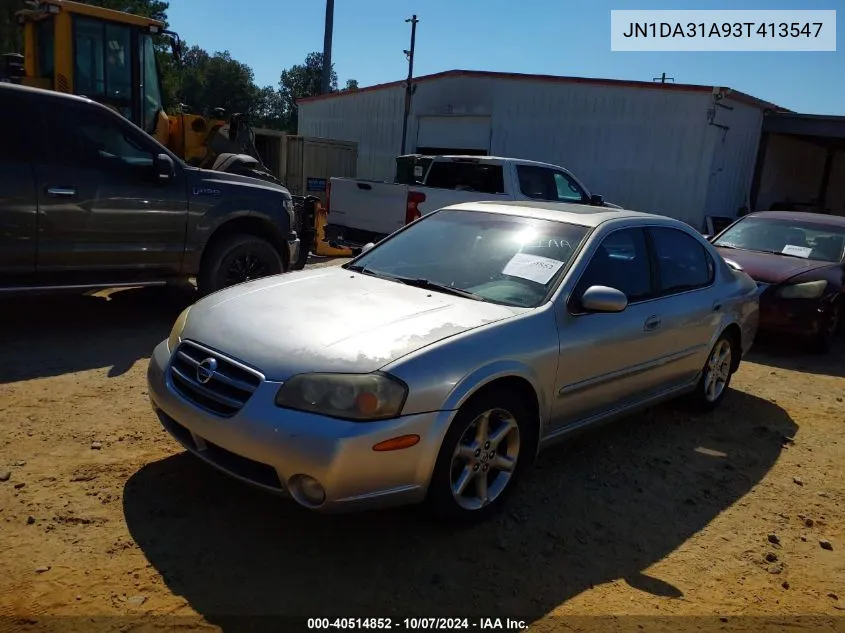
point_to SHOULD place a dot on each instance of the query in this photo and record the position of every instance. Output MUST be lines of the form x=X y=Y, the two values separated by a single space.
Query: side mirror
x=603 y=299
x=597 y=200
x=164 y=167
x=367 y=247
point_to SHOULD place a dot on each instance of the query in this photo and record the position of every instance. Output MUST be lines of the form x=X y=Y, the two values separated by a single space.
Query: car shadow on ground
x=49 y=335
x=793 y=355
x=604 y=506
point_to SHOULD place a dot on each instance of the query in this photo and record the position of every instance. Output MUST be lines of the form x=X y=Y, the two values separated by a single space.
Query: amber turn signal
x=397 y=443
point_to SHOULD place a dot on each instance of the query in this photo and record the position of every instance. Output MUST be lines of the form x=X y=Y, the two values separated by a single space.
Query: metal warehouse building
x=681 y=150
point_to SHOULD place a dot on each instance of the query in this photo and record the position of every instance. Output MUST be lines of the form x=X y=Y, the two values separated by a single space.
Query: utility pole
x=327 y=48
x=409 y=87
x=662 y=79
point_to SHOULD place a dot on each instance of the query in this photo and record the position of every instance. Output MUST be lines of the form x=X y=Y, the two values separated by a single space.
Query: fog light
x=307 y=490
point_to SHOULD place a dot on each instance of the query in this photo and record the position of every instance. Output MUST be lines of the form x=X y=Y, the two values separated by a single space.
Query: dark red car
x=798 y=260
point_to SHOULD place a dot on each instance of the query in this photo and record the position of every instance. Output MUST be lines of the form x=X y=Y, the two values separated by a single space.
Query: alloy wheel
x=485 y=459
x=717 y=373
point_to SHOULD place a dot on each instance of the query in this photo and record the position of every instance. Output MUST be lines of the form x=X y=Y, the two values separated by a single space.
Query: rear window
x=480 y=177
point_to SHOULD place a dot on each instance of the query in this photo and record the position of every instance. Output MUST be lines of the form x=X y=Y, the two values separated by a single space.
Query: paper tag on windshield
x=532 y=267
x=797 y=251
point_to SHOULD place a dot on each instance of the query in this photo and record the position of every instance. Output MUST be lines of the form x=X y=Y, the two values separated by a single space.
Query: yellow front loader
x=109 y=57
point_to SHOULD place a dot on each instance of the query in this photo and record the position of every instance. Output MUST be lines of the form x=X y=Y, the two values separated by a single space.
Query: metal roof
x=617 y=83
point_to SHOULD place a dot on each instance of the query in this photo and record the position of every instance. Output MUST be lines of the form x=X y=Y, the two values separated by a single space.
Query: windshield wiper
x=427 y=284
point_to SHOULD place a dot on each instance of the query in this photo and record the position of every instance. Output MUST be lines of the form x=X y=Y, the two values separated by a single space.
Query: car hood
x=771 y=268
x=330 y=320
x=205 y=181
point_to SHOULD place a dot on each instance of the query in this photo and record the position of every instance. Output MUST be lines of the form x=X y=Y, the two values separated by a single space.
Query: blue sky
x=557 y=37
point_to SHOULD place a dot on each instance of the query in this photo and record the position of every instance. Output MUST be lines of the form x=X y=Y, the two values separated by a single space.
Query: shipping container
x=305 y=164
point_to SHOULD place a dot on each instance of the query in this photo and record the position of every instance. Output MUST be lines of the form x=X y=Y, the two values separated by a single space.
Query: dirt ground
x=737 y=516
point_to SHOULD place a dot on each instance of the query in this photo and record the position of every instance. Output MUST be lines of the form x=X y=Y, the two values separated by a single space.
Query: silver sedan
x=435 y=365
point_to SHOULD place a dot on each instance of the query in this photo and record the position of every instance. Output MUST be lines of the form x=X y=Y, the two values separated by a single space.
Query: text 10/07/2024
x=416 y=624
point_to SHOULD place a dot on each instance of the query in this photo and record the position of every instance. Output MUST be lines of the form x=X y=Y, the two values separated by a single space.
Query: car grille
x=227 y=389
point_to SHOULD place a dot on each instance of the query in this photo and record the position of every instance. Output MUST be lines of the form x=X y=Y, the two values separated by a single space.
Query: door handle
x=61 y=192
x=651 y=323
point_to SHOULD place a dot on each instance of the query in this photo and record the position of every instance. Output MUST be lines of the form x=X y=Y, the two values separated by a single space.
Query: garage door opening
x=453 y=135
x=800 y=164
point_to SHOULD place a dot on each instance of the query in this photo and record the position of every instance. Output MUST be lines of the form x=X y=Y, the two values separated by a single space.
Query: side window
x=103 y=59
x=89 y=138
x=567 y=189
x=46 y=49
x=152 y=102
x=542 y=183
x=622 y=262
x=466 y=176
x=22 y=134
x=682 y=262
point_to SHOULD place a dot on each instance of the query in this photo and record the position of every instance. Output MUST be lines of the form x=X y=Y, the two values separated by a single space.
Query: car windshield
x=510 y=260
x=795 y=238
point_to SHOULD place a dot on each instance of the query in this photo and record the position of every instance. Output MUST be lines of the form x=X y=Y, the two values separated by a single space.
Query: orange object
x=397 y=443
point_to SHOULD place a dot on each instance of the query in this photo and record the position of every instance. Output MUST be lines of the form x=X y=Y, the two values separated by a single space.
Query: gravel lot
x=735 y=514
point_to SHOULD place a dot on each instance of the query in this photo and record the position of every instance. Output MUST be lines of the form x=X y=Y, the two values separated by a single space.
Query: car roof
x=45 y=94
x=492 y=160
x=803 y=216
x=582 y=214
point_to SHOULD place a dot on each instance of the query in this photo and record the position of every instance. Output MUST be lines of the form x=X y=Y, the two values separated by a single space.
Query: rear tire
x=476 y=470
x=237 y=259
x=716 y=376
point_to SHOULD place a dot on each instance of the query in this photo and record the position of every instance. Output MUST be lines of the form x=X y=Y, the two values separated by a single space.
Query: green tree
x=351 y=84
x=269 y=111
x=299 y=81
x=210 y=81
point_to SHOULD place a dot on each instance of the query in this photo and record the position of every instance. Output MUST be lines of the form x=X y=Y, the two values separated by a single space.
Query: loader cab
x=107 y=56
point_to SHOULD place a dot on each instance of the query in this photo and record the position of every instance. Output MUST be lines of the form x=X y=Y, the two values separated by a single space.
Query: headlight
x=176 y=332
x=807 y=290
x=348 y=396
x=287 y=205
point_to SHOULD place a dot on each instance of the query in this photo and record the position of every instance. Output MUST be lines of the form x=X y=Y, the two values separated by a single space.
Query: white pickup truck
x=362 y=211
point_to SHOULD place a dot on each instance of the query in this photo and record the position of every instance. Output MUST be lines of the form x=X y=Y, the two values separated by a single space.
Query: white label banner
x=723 y=30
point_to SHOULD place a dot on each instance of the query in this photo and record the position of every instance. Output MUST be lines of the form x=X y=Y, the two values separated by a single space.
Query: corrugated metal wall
x=373 y=119
x=646 y=149
x=643 y=149
x=734 y=156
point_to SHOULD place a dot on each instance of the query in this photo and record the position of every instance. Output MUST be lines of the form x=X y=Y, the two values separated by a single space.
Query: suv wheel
x=236 y=259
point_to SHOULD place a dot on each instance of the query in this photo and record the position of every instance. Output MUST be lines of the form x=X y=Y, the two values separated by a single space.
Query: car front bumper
x=797 y=317
x=270 y=447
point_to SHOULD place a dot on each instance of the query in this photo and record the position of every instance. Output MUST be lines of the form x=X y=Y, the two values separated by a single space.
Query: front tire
x=236 y=259
x=486 y=450
x=716 y=375
x=823 y=342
